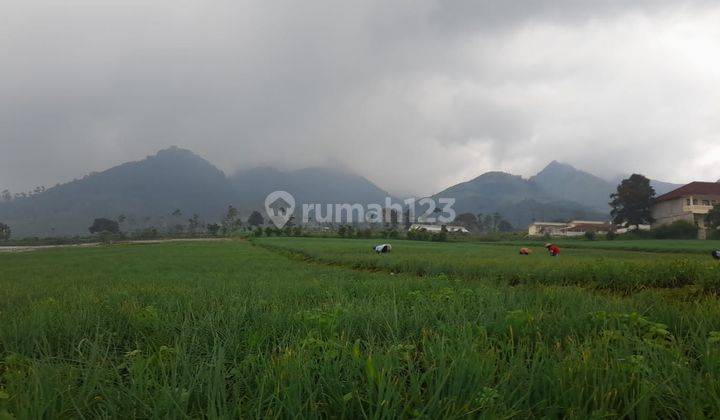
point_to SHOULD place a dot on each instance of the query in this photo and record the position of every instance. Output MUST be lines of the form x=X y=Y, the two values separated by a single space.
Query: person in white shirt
x=383 y=248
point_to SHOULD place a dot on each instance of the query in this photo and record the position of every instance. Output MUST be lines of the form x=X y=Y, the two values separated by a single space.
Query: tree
x=505 y=226
x=406 y=219
x=255 y=219
x=231 y=220
x=5 y=232
x=194 y=223
x=631 y=203
x=6 y=196
x=213 y=228
x=712 y=220
x=103 y=225
x=496 y=219
x=468 y=220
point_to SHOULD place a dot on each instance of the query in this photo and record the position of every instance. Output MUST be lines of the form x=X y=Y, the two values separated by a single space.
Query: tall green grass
x=193 y=330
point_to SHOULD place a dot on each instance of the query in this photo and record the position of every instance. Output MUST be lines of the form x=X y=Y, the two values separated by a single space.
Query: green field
x=688 y=246
x=285 y=327
x=602 y=269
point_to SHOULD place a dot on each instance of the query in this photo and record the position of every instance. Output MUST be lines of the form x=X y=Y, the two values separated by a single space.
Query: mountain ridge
x=152 y=188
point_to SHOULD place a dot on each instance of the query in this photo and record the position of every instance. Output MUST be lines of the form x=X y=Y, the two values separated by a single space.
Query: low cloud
x=414 y=95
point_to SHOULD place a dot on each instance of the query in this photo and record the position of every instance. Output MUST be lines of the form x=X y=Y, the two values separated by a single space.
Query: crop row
x=625 y=276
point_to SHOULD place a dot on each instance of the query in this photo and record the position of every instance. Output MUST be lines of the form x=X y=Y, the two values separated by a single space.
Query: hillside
x=519 y=200
x=147 y=192
x=154 y=187
x=308 y=185
x=564 y=182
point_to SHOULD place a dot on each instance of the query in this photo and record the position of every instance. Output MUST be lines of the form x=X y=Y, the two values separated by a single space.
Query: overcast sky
x=413 y=94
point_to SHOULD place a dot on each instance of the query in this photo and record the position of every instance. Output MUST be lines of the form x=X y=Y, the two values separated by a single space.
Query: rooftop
x=693 y=188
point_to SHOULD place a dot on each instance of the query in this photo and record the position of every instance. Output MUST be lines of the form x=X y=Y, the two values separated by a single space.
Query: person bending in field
x=525 y=251
x=553 y=250
x=716 y=254
x=382 y=249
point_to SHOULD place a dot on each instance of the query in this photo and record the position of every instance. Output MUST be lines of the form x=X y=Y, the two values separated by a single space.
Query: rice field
x=300 y=327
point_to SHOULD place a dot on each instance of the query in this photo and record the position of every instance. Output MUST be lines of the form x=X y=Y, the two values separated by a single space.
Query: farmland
x=602 y=269
x=280 y=327
x=645 y=245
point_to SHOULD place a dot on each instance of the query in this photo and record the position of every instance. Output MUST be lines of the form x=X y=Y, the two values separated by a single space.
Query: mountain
x=310 y=185
x=558 y=192
x=148 y=191
x=520 y=201
x=154 y=187
x=490 y=191
x=564 y=182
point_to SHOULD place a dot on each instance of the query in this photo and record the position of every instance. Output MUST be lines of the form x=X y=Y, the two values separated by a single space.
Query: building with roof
x=573 y=228
x=438 y=228
x=546 y=228
x=690 y=202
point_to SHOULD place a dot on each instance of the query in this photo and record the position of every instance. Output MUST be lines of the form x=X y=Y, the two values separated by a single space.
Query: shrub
x=611 y=236
x=590 y=235
x=364 y=233
x=679 y=229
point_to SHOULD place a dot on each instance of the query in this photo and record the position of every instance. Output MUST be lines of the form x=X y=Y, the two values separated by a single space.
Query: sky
x=415 y=95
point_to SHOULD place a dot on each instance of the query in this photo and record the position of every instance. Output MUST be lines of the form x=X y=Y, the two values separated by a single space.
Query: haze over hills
x=520 y=201
x=559 y=192
x=309 y=185
x=148 y=191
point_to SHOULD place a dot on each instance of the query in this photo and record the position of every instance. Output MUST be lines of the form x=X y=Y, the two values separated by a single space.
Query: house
x=581 y=227
x=619 y=229
x=438 y=228
x=546 y=228
x=573 y=228
x=690 y=202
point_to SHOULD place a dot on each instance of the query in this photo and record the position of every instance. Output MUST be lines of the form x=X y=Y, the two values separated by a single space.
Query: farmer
x=553 y=249
x=383 y=248
x=525 y=251
x=716 y=254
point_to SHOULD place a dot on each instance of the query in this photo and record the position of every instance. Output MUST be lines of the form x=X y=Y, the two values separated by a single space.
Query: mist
x=413 y=95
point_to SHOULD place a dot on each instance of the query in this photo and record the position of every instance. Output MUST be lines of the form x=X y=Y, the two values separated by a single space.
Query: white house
x=573 y=228
x=438 y=228
x=691 y=203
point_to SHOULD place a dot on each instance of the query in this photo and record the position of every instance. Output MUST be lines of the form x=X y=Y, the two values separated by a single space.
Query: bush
x=679 y=229
x=611 y=236
x=364 y=233
x=590 y=235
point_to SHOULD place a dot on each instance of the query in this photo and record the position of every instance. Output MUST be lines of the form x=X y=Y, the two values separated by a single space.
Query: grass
x=683 y=246
x=189 y=330
x=616 y=270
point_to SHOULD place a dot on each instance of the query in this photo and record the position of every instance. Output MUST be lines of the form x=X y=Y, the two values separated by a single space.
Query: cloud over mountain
x=400 y=91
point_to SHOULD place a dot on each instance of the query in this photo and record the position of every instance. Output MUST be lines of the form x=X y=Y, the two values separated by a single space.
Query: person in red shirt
x=553 y=250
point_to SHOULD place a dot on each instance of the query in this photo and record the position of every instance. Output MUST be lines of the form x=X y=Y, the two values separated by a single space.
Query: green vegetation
x=643 y=245
x=679 y=229
x=624 y=272
x=227 y=329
